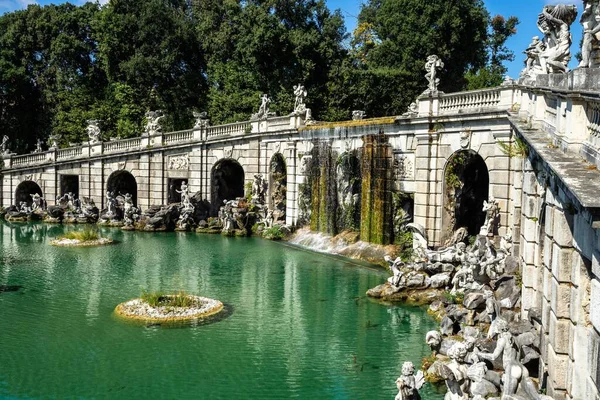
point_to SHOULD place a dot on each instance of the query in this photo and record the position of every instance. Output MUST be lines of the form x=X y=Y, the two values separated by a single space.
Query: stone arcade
x=528 y=151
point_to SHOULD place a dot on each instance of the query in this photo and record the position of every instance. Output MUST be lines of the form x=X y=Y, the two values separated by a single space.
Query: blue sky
x=526 y=10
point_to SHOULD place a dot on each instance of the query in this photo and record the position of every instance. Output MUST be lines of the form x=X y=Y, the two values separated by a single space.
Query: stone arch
x=227 y=183
x=121 y=182
x=278 y=186
x=466 y=187
x=24 y=191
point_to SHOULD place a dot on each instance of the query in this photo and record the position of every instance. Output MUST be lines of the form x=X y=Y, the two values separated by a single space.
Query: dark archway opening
x=69 y=184
x=24 y=191
x=227 y=182
x=122 y=182
x=467 y=187
x=278 y=187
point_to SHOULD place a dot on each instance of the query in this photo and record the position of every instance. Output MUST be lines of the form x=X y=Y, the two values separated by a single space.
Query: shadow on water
x=211 y=319
x=9 y=288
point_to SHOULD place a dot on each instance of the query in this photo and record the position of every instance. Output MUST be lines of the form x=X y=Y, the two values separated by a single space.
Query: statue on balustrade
x=201 y=120
x=590 y=48
x=93 y=131
x=263 y=110
x=4 y=146
x=300 y=108
x=53 y=141
x=433 y=64
x=38 y=147
x=154 y=122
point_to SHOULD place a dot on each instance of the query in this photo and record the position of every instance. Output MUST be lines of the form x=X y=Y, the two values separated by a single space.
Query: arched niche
x=24 y=191
x=466 y=187
x=122 y=182
x=278 y=186
x=227 y=183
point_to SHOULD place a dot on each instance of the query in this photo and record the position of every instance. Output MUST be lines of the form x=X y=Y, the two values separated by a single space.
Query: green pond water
x=300 y=325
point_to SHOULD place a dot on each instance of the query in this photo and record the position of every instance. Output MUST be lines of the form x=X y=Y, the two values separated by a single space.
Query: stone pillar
x=376 y=202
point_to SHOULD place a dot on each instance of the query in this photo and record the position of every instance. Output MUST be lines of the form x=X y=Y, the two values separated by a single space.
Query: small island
x=168 y=308
x=86 y=238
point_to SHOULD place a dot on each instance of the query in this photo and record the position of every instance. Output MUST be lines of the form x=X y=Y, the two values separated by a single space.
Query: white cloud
x=568 y=2
x=11 y=5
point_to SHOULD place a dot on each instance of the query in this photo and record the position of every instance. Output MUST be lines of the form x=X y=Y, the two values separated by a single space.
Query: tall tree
x=492 y=74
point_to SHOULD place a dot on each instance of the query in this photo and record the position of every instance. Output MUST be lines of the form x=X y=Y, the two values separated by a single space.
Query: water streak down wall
x=323 y=189
x=376 y=200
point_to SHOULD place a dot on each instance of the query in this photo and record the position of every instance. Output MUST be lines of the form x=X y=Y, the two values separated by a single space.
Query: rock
x=470 y=331
x=436 y=306
x=511 y=265
x=446 y=344
x=415 y=280
x=474 y=300
x=483 y=388
x=535 y=314
x=519 y=327
x=506 y=288
x=439 y=280
x=447 y=326
x=202 y=224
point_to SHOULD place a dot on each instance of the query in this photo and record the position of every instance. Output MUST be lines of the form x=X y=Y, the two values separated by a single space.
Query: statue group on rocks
x=483 y=347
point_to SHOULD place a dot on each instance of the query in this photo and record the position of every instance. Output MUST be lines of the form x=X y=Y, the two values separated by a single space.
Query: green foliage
x=457 y=298
x=518 y=148
x=248 y=191
x=274 y=233
x=454 y=170
x=159 y=299
x=87 y=235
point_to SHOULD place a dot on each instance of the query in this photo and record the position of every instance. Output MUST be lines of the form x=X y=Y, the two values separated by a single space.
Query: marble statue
x=408 y=383
x=201 y=120
x=358 y=115
x=269 y=219
x=491 y=217
x=93 y=131
x=263 y=110
x=492 y=309
x=185 y=195
x=25 y=208
x=590 y=19
x=433 y=64
x=53 y=141
x=38 y=202
x=433 y=340
x=412 y=110
x=38 y=146
x=300 y=93
x=554 y=22
x=154 y=122
x=259 y=189
x=455 y=373
x=111 y=204
x=533 y=52
x=4 y=145
x=397 y=273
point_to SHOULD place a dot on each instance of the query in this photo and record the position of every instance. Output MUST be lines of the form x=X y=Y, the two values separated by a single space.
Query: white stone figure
x=263 y=110
x=185 y=196
x=24 y=208
x=93 y=131
x=492 y=310
x=201 y=120
x=38 y=146
x=420 y=243
x=396 y=269
x=180 y=162
x=516 y=376
x=358 y=115
x=506 y=242
x=412 y=110
x=408 y=383
x=38 y=202
x=554 y=22
x=431 y=66
x=433 y=340
x=111 y=204
x=154 y=122
x=53 y=141
x=533 y=52
x=455 y=373
x=590 y=19
x=269 y=219
x=300 y=93
x=4 y=146
x=259 y=189
x=492 y=211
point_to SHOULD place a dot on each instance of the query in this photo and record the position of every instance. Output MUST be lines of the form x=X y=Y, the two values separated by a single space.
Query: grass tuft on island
x=86 y=238
x=168 y=308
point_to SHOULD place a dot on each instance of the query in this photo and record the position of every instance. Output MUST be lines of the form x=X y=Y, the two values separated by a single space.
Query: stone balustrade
x=473 y=100
x=178 y=137
x=32 y=159
x=122 y=145
x=69 y=153
x=234 y=129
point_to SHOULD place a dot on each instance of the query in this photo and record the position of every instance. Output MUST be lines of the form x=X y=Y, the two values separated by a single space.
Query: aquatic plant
x=159 y=299
x=87 y=235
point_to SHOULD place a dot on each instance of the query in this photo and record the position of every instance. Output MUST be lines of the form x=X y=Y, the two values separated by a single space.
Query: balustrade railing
x=71 y=152
x=122 y=145
x=177 y=137
x=237 y=128
x=593 y=126
x=470 y=100
x=28 y=159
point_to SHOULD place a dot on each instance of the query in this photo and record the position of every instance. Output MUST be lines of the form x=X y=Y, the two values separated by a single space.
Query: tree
x=400 y=36
x=492 y=74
